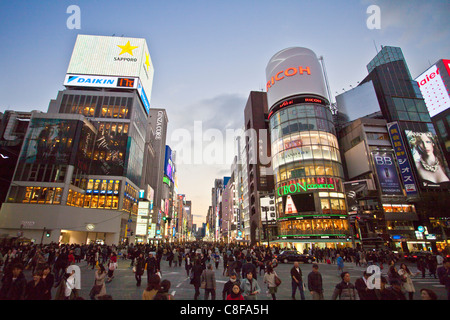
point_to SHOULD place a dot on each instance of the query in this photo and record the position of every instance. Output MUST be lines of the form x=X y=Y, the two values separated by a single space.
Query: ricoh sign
x=294 y=71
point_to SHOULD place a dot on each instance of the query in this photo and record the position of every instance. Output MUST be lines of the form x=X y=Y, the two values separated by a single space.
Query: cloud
x=413 y=19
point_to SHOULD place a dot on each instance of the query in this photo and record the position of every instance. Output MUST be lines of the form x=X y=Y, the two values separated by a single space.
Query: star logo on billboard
x=128 y=48
x=147 y=60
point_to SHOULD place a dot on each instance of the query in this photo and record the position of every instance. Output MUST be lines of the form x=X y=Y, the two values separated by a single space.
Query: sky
x=209 y=55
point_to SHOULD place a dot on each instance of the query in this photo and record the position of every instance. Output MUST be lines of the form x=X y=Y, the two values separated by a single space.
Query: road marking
x=173 y=293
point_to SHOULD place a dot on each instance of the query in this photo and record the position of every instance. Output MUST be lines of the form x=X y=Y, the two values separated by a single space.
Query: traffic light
x=164 y=219
x=47 y=234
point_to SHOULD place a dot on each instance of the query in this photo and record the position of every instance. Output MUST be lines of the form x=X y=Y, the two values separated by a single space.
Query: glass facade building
x=308 y=174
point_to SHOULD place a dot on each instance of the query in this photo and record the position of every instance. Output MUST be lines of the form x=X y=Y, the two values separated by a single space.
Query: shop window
x=57 y=197
x=87 y=201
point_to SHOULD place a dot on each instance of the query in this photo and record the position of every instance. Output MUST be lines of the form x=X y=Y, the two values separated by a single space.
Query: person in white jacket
x=407 y=282
x=70 y=285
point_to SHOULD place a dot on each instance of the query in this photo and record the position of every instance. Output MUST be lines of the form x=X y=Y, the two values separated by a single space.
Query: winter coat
x=13 y=290
x=247 y=287
x=408 y=284
x=228 y=286
x=100 y=281
x=210 y=278
x=269 y=278
x=35 y=292
x=345 y=291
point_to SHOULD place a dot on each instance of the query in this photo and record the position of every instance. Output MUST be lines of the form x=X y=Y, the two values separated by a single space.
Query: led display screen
x=298 y=203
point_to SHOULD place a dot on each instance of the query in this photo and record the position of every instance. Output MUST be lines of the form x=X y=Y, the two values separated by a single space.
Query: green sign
x=298 y=187
x=166 y=181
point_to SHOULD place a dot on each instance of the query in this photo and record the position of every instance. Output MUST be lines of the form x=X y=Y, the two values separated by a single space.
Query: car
x=292 y=256
x=414 y=255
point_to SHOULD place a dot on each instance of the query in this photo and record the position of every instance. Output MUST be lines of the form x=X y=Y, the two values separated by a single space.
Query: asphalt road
x=123 y=286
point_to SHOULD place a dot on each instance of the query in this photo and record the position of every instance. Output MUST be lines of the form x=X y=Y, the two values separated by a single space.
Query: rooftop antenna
x=375 y=46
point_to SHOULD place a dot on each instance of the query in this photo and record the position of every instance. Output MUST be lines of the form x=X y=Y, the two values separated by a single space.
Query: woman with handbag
x=99 y=287
x=272 y=281
x=112 y=265
x=407 y=282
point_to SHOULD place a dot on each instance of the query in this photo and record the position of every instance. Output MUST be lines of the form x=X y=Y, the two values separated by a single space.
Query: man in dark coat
x=249 y=267
x=297 y=281
x=14 y=284
x=228 y=286
x=315 y=284
x=363 y=291
x=152 y=265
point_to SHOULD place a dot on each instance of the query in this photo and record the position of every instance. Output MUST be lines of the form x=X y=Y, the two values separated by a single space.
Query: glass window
x=283 y=116
x=58 y=194
x=292 y=113
x=424 y=117
x=402 y=115
x=309 y=109
x=414 y=116
x=399 y=104
x=410 y=105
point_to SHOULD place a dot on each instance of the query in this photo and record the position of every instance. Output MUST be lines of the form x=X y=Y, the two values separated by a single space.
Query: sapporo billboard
x=428 y=159
x=113 y=56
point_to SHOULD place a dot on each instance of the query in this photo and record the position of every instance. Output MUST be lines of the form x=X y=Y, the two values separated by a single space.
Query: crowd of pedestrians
x=50 y=266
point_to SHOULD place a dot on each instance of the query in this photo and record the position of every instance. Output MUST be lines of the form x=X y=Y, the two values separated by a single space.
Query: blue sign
x=143 y=97
x=402 y=159
x=387 y=173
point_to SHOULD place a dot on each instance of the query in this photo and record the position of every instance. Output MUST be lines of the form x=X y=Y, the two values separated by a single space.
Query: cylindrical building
x=307 y=167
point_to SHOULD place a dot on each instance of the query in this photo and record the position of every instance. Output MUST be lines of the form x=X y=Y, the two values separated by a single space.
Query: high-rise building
x=79 y=171
x=434 y=84
x=258 y=159
x=422 y=169
x=308 y=174
x=13 y=127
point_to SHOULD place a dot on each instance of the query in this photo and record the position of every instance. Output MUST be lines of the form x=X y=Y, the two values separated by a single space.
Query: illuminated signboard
x=302 y=187
x=428 y=159
x=113 y=56
x=77 y=80
x=387 y=173
x=402 y=159
x=168 y=165
x=433 y=89
x=289 y=102
x=294 y=71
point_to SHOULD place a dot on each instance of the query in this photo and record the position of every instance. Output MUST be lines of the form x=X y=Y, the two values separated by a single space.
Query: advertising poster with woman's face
x=430 y=164
x=50 y=141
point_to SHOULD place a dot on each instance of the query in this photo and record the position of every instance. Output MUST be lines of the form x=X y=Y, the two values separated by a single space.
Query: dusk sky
x=209 y=55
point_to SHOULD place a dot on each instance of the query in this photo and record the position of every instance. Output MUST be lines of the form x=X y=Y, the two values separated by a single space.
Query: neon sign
x=298 y=187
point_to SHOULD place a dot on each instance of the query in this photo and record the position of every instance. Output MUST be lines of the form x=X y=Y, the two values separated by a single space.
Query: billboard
x=298 y=203
x=78 y=80
x=168 y=165
x=387 y=173
x=113 y=56
x=428 y=159
x=402 y=158
x=434 y=90
x=49 y=140
x=354 y=191
x=294 y=71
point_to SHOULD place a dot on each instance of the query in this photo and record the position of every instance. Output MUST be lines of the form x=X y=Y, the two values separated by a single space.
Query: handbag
x=277 y=281
x=95 y=290
x=203 y=285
